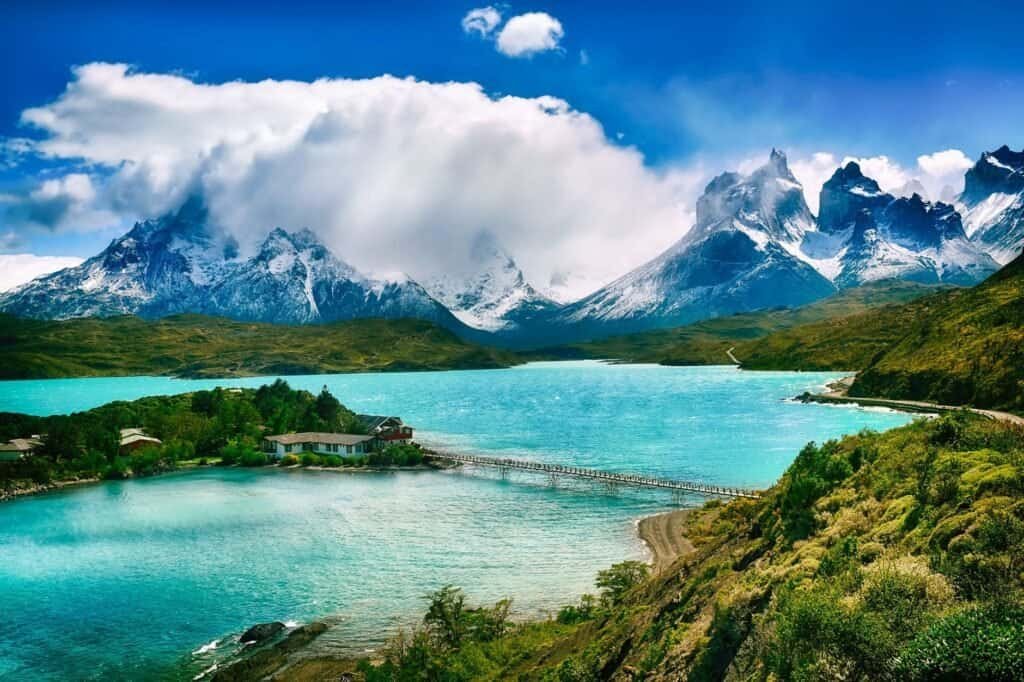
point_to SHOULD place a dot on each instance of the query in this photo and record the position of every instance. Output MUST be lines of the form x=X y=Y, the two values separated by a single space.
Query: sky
x=579 y=134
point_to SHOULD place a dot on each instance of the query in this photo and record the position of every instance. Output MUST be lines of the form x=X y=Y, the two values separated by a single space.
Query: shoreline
x=9 y=495
x=663 y=535
x=838 y=394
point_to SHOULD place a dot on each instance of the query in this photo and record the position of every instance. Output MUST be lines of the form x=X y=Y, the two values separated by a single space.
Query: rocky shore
x=22 y=488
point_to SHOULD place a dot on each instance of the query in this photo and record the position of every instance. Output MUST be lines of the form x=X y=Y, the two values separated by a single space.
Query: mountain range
x=755 y=245
x=177 y=265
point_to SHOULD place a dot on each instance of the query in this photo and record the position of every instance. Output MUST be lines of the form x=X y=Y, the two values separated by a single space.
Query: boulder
x=260 y=633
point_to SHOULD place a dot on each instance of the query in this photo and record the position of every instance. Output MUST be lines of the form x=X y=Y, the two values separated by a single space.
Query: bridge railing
x=581 y=472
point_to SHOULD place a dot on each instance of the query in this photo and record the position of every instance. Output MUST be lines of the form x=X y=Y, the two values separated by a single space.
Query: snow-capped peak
x=495 y=295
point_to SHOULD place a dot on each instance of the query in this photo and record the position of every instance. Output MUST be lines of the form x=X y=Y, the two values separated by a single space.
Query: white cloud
x=394 y=174
x=66 y=202
x=944 y=171
x=527 y=34
x=18 y=268
x=813 y=172
x=944 y=163
x=481 y=20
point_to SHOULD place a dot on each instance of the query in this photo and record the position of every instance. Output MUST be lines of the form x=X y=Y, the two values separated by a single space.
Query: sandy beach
x=663 y=533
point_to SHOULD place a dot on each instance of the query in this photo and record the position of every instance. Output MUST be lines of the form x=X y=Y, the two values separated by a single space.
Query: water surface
x=124 y=579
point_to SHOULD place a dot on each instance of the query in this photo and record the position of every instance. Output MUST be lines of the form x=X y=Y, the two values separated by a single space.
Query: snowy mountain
x=496 y=297
x=865 y=235
x=992 y=203
x=741 y=255
x=158 y=268
x=175 y=265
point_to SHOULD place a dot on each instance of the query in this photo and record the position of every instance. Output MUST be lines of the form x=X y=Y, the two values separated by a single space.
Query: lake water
x=125 y=579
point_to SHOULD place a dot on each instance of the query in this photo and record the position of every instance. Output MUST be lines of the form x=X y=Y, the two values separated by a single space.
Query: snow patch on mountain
x=993 y=203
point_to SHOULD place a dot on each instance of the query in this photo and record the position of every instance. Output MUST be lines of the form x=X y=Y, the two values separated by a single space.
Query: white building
x=320 y=443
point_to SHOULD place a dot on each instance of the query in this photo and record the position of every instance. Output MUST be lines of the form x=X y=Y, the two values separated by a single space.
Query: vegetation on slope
x=198 y=346
x=894 y=556
x=969 y=352
x=705 y=343
x=962 y=347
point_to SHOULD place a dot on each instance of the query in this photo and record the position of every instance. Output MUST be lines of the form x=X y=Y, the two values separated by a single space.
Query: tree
x=328 y=408
x=614 y=582
x=445 y=618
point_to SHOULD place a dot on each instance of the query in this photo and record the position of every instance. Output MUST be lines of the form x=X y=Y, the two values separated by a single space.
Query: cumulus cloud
x=481 y=20
x=18 y=268
x=944 y=163
x=527 y=34
x=394 y=174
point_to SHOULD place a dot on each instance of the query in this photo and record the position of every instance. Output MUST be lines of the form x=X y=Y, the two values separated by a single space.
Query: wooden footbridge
x=611 y=478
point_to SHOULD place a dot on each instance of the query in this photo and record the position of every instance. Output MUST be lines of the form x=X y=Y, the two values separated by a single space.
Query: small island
x=273 y=424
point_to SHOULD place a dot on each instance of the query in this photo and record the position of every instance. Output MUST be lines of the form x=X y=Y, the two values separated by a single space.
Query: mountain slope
x=739 y=256
x=158 y=268
x=960 y=347
x=199 y=346
x=992 y=203
x=706 y=342
x=968 y=350
x=496 y=297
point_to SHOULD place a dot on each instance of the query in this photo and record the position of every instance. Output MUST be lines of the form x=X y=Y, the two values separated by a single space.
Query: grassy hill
x=197 y=346
x=892 y=556
x=961 y=347
x=705 y=343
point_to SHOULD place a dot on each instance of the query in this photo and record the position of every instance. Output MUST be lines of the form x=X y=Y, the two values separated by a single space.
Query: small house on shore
x=19 y=448
x=135 y=439
x=389 y=430
x=319 y=443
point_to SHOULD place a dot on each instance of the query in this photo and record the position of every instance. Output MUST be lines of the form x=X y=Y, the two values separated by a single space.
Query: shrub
x=118 y=469
x=309 y=459
x=331 y=461
x=253 y=458
x=289 y=461
x=981 y=643
x=817 y=637
x=577 y=613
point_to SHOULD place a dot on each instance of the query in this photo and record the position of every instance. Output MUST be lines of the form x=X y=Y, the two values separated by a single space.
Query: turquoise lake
x=147 y=579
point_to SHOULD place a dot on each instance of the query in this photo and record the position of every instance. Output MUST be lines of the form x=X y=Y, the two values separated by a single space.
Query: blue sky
x=683 y=83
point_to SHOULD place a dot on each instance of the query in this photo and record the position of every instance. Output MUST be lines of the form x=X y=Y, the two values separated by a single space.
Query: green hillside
x=962 y=347
x=705 y=343
x=197 y=346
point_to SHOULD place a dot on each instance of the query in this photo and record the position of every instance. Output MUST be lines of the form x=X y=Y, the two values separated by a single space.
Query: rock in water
x=260 y=633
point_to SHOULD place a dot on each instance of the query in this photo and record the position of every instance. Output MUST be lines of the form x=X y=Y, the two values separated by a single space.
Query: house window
x=288 y=447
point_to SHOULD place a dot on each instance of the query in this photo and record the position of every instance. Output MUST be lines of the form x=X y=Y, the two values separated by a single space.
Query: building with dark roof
x=386 y=429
